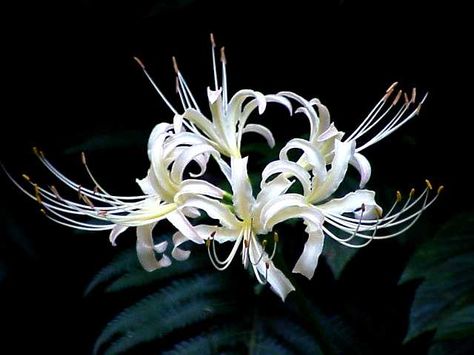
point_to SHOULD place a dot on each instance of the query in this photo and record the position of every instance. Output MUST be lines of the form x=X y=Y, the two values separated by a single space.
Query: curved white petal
x=147 y=183
x=349 y=203
x=343 y=153
x=180 y=139
x=202 y=123
x=288 y=206
x=213 y=208
x=289 y=169
x=331 y=132
x=161 y=247
x=219 y=234
x=308 y=260
x=177 y=123
x=312 y=156
x=145 y=249
x=157 y=131
x=200 y=187
x=263 y=131
x=115 y=232
x=186 y=157
x=242 y=198
x=362 y=165
x=279 y=283
x=307 y=109
x=181 y=223
x=324 y=117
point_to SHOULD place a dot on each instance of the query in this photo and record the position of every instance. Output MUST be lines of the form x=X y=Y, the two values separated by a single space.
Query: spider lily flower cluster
x=244 y=217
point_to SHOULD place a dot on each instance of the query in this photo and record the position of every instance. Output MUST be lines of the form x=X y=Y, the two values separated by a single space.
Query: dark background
x=68 y=76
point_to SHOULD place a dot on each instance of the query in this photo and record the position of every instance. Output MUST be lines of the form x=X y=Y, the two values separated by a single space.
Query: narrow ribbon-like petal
x=343 y=153
x=145 y=249
x=308 y=261
x=362 y=165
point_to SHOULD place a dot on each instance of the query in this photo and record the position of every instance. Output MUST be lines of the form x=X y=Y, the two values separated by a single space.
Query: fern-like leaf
x=184 y=302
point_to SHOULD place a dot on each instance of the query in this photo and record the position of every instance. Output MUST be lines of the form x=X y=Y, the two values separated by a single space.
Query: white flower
x=354 y=220
x=244 y=228
x=228 y=117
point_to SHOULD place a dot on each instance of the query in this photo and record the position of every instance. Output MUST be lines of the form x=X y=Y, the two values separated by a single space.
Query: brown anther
x=213 y=234
x=177 y=85
x=407 y=100
x=96 y=189
x=79 y=192
x=264 y=243
x=83 y=158
x=397 y=98
x=391 y=87
x=208 y=242
x=140 y=63
x=441 y=188
x=43 y=211
x=267 y=265
x=399 y=196
x=246 y=243
x=213 y=42
x=413 y=95
x=412 y=192
x=223 y=58
x=428 y=184
x=87 y=201
x=36 y=151
x=26 y=177
x=276 y=237
x=38 y=194
x=175 y=65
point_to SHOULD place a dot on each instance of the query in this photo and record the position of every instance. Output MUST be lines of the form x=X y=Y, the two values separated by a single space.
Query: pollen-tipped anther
x=399 y=196
x=223 y=57
x=175 y=65
x=139 y=62
x=428 y=184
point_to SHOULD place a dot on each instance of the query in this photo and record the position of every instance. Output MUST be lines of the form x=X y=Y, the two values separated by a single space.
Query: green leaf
x=445 y=263
x=122 y=264
x=184 y=302
x=139 y=277
x=444 y=288
x=337 y=256
x=456 y=237
x=458 y=325
x=209 y=343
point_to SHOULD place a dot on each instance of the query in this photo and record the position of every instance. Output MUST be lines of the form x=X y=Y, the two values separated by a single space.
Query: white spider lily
x=98 y=210
x=353 y=220
x=356 y=215
x=228 y=121
x=323 y=133
x=244 y=228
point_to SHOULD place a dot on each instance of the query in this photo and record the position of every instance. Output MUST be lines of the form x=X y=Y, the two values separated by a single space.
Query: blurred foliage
x=189 y=308
x=444 y=301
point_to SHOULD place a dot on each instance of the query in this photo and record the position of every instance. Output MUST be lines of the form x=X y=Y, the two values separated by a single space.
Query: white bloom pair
x=244 y=219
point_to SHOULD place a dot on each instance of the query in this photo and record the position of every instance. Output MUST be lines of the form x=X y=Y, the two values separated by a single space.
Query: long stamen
x=214 y=66
x=224 y=78
x=374 y=111
x=163 y=97
x=388 y=222
x=181 y=89
x=216 y=262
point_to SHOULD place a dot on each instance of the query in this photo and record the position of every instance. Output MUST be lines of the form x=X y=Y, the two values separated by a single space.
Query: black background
x=68 y=75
